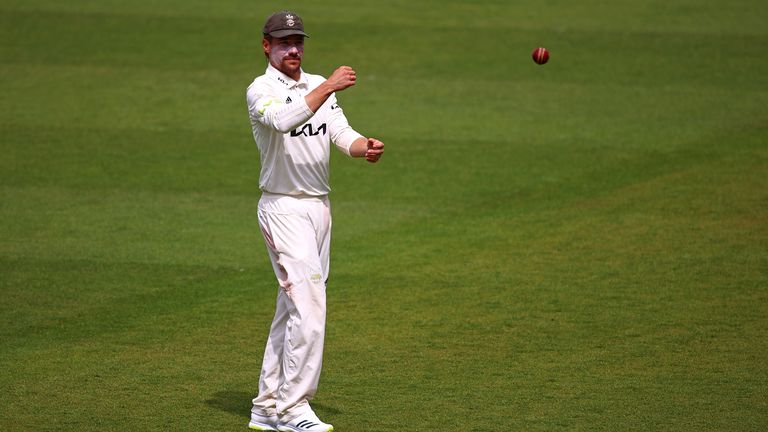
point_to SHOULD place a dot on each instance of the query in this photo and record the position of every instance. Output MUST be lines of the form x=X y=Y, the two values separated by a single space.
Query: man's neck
x=294 y=75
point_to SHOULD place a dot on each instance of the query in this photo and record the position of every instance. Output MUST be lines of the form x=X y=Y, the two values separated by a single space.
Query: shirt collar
x=284 y=79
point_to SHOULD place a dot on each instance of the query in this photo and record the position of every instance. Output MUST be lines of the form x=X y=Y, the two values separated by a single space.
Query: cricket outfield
x=580 y=245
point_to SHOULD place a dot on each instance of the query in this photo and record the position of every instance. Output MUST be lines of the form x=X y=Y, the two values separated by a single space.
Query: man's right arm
x=342 y=78
x=275 y=114
x=271 y=111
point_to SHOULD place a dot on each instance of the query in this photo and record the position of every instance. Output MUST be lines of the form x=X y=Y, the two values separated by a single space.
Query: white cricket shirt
x=294 y=142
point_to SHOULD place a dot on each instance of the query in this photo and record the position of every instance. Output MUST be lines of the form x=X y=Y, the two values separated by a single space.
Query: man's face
x=285 y=54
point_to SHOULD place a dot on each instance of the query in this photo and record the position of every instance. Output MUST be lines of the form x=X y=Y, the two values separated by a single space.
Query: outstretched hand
x=374 y=151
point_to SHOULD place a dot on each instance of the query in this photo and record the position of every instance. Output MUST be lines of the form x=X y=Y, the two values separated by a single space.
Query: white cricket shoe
x=307 y=422
x=263 y=423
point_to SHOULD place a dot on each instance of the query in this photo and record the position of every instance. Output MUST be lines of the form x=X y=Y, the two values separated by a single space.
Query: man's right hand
x=342 y=78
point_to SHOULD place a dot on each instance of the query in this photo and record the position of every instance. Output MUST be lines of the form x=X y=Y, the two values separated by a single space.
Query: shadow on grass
x=239 y=403
x=324 y=409
x=231 y=401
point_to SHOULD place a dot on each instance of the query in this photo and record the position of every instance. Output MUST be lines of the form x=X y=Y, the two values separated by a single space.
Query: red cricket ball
x=540 y=55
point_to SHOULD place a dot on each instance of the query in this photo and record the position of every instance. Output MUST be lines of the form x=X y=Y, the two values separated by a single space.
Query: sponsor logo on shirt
x=309 y=130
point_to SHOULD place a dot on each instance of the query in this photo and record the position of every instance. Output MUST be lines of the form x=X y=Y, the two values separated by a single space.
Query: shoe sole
x=290 y=429
x=260 y=427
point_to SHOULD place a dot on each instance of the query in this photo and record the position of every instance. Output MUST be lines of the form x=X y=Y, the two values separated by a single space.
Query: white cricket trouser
x=297 y=232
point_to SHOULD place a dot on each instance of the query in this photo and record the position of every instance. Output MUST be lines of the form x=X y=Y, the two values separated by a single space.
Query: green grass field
x=578 y=246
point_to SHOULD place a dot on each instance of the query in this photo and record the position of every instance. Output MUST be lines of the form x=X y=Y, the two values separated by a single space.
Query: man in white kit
x=295 y=118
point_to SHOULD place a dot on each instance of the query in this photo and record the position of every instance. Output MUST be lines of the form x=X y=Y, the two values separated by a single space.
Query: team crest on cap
x=289 y=20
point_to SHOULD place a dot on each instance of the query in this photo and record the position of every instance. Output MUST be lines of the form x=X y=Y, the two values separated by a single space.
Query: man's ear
x=265 y=45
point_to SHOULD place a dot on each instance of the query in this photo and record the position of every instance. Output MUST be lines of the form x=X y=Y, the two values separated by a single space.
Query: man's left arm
x=350 y=141
x=369 y=148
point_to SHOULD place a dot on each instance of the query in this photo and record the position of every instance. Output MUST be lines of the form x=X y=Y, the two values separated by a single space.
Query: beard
x=284 y=60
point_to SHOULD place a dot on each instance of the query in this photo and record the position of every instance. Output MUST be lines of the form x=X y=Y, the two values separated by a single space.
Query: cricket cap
x=282 y=24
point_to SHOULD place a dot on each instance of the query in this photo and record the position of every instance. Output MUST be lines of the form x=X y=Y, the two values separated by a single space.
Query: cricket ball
x=540 y=55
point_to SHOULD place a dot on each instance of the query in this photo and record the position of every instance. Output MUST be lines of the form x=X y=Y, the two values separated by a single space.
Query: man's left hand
x=374 y=151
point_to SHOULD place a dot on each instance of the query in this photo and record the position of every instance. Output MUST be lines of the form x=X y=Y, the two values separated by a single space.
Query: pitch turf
x=576 y=246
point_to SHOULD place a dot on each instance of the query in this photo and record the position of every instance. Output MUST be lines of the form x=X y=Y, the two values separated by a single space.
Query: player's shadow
x=239 y=403
x=232 y=401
